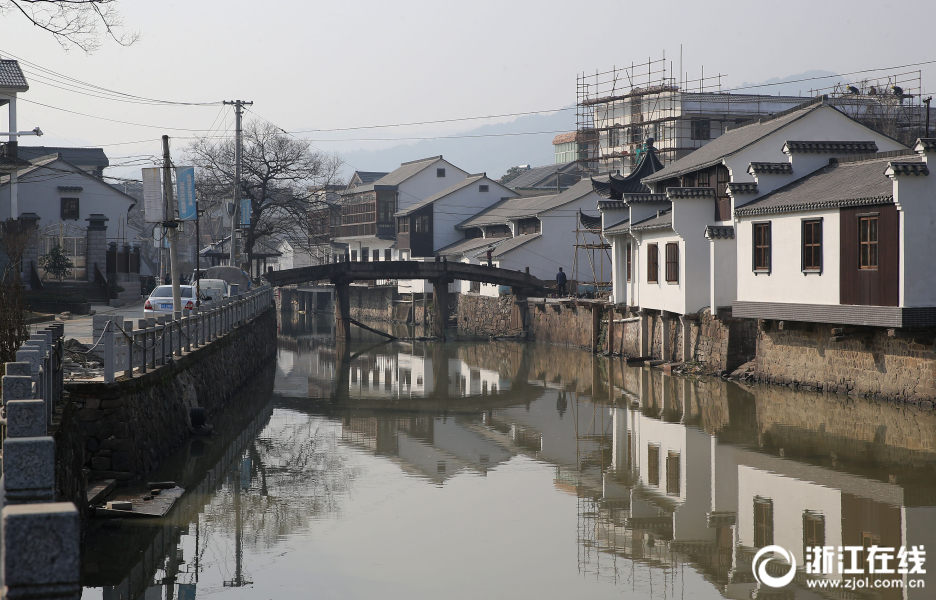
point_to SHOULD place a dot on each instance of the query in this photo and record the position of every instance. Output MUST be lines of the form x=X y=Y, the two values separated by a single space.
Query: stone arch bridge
x=440 y=273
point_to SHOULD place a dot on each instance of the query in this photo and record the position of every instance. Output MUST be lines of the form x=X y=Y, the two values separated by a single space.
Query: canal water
x=513 y=470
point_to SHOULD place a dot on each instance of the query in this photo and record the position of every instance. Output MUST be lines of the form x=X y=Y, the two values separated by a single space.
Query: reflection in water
x=553 y=472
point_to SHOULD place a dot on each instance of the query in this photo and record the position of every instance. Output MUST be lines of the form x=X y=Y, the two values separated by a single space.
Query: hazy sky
x=313 y=64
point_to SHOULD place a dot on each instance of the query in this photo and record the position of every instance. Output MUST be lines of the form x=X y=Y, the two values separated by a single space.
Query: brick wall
x=723 y=344
x=485 y=316
x=880 y=366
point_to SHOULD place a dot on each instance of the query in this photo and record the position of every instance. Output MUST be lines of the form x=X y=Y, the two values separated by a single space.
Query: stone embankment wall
x=128 y=426
x=718 y=343
x=879 y=366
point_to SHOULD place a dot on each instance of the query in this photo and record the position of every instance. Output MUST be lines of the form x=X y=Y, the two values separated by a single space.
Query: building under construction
x=620 y=108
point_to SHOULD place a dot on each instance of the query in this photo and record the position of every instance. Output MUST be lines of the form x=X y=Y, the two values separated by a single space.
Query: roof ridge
x=809 y=103
x=419 y=160
x=871 y=157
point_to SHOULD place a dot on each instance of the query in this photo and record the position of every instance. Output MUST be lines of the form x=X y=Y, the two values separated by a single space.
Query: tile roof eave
x=820 y=205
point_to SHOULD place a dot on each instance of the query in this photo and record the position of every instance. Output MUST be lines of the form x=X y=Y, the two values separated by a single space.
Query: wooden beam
x=794 y=326
x=907 y=333
x=850 y=336
x=372 y=330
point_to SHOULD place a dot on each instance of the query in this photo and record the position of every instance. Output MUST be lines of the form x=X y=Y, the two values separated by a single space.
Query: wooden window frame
x=703 y=179
x=767 y=259
x=375 y=253
x=483 y=187
x=671 y=271
x=873 y=246
x=628 y=258
x=387 y=254
x=653 y=263
x=68 y=211
x=809 y=262
x=813 y=530
x=365 y=254
x=673 y=473
x=403 y=225
x=763 y=532
x=440 y=172
x=653 y=466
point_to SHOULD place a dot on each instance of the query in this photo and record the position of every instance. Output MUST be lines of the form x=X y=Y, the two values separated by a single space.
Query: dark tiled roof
x=611 y=204
x=662 y=220
x=824 y=147
x=545 y=177
x=82 y=157
x=732 y=142
x=770 y=168
x=744 y=187
x=925 y=144
x=640 y=198
x=908 y=168
x=836 y=185
x=622 y=227
x=369 y=176
x=719 y=232
x=11 y=76
x=615 y=187
x=689 y=192
x=590 y=222
x=511 y=244
x=465 y=246
x=528 y=206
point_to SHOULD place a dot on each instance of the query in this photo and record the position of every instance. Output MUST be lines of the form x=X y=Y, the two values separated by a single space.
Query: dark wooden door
x=870 y=255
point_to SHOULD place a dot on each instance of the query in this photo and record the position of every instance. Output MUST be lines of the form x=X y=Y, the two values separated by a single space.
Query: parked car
x=213 y=290
x=160 y=300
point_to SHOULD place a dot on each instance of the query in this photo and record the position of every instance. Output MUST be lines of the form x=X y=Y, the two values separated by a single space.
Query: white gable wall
x=915 y=196
x=425 y=183
x=689 y=218
x=461 y=204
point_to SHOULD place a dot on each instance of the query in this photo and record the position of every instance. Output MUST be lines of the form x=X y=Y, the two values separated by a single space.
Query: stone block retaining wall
x=882 y=367
x=128 y=426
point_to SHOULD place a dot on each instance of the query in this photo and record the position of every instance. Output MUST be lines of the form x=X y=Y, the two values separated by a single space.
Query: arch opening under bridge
x=440 y=273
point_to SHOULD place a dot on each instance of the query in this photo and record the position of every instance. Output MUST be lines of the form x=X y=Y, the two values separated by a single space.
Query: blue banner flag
x=245 y=212
x=185 y=191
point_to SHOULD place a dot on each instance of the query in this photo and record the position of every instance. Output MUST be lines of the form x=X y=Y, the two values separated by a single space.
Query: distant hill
x=493 y=155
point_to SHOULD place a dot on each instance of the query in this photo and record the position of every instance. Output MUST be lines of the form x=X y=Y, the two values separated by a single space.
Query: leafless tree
x=74 y=23
x=281 y=176
x=15 y=238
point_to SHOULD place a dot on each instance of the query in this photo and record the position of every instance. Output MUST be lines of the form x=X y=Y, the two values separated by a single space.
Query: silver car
x=160 y=300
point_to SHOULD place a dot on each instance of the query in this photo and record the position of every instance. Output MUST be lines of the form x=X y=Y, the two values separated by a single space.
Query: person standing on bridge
x=561 y=282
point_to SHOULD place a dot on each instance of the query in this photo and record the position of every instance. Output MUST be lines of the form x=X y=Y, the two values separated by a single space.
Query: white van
x=213 y=290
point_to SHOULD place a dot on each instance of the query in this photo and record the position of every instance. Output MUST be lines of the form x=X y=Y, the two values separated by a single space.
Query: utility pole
x=927 y=101
x=170 y=227
x=235 y=218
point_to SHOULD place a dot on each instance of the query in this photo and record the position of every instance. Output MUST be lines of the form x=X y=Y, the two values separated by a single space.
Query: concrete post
x=108 y=343
x=29 y=469
x=686 y=350
x=645 y=323
x=440 y=308
x=342 y=310
x=96 y=246
x=666 y=346
x=41 y=551
x=26 y=418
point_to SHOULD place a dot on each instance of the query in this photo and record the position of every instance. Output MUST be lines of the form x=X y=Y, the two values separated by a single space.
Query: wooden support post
x=686 y=350
x=440 y=308
x=609 y=339
x=666 y=347
x=342 y=309
x=645 y=324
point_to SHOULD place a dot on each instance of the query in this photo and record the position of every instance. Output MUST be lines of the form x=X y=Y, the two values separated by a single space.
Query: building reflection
x=668 y=473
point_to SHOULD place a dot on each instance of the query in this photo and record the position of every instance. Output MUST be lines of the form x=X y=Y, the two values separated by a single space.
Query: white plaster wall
x=556 y=246
x=38 y=193
x=425 y=183
x=786 y=282
x=690 y=216
x=723 y=272
x=619 y=268
x=791 y=498
x=461 y=204
x=915 y=196
x=662 y=295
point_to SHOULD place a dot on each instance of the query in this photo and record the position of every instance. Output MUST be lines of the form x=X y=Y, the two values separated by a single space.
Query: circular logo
x=760 y=566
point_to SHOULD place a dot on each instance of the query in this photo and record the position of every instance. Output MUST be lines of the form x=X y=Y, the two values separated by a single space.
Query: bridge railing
x=31 y=388
x=155 y=340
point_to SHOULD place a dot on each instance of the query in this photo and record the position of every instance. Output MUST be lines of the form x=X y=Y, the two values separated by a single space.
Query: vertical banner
x=245 y=212
x=185 y=192
x=154 y=207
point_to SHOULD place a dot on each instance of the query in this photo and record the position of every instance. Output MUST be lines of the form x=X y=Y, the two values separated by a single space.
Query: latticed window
x=672 y=473
x=763 y=522
x=762 y=246
x=672 y=262
x=403 y=225
x=812 y=245
x=653 y=259
x=69 y=209
x=813 y=530
x=868 y=241
x=653 y=464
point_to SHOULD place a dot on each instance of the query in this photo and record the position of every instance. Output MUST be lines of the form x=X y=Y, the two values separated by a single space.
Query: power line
x=74 y=112
x=747 y=87
x=518 y=114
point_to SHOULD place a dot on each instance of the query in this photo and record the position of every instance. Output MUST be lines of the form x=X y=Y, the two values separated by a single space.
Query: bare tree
x=15 y=238
x=281 y=176
x=74 y=22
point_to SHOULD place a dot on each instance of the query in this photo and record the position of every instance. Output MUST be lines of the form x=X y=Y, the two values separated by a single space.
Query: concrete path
x=81 y=326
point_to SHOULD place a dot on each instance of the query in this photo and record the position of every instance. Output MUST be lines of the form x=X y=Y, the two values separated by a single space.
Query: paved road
x=81 y=327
